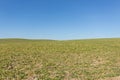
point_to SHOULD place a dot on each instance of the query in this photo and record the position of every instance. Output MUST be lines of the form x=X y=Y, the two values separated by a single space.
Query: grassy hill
x=92 y=59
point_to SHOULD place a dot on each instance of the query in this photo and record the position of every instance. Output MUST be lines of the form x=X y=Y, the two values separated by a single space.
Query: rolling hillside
x=90 y=59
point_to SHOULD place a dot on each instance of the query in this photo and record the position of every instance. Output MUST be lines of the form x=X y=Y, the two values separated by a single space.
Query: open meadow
x=92 y=59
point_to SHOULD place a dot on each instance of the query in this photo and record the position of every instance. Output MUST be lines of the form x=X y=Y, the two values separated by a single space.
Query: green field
x=92 y=59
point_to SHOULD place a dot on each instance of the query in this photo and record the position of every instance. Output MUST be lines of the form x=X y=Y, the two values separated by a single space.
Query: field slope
x=94 y=59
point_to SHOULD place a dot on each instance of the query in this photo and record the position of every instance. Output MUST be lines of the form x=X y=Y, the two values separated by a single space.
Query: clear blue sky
x=59 y=19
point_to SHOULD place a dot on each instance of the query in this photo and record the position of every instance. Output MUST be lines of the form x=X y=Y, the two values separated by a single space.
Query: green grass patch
x=93 y=59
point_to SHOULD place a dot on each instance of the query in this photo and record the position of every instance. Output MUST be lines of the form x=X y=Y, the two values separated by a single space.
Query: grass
x=92 y=59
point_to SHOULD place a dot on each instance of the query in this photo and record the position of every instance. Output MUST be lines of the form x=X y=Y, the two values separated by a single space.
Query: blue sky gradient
x=59 y=19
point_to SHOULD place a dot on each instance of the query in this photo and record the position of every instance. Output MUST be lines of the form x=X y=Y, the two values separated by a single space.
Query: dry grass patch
x=112 y=78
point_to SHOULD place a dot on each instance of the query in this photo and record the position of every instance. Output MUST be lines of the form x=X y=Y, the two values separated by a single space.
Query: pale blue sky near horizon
x=59 y=19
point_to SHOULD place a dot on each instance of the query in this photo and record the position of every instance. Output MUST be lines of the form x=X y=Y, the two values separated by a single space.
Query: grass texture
x=93 y=59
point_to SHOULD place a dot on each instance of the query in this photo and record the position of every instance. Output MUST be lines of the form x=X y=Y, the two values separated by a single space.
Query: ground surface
x=96 y=59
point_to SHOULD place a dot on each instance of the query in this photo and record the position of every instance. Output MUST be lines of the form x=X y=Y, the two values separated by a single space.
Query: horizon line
x=64 y=39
